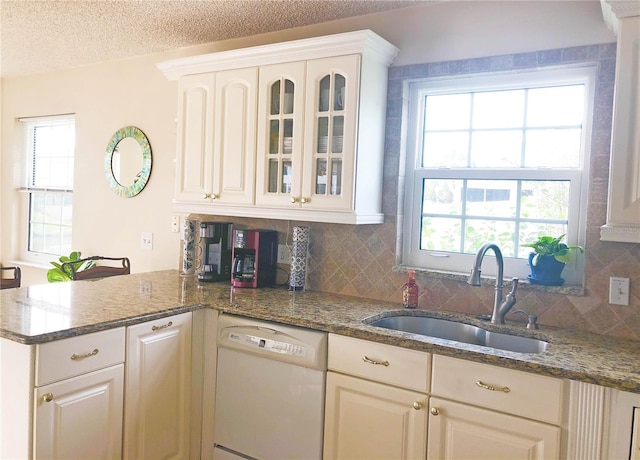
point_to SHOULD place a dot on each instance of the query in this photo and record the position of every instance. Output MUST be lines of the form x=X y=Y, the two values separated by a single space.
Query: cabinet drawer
x=515 y=392
x=379 y=362
x=78 y=355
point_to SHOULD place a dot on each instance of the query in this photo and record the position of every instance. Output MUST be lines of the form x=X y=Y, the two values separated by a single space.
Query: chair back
x=97 y=271
x=11 y=281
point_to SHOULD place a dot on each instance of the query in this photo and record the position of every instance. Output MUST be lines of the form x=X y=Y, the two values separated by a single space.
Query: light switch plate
x=147 y=241
x=619 y=291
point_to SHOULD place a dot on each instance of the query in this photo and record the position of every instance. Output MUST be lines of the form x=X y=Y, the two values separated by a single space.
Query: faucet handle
x=532 y=320
x=514 y=285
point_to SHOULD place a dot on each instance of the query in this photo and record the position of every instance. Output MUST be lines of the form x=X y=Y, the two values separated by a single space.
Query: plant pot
x=546 y=272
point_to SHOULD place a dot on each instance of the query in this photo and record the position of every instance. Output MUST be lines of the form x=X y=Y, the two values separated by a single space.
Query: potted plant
x=548 y=259
x=58 y=274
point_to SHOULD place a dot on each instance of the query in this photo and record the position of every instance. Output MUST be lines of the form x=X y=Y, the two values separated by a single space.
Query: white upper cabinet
x=623 y=210
x=291 y=130
x=280 y=134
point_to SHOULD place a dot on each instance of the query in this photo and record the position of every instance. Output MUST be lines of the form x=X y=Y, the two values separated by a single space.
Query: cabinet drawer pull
x=76 y=357
x=164 y=326
x=492 y=388
x=366 y=359
x=47 y=397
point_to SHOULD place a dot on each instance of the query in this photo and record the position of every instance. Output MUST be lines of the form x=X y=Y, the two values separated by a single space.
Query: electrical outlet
x=147 y=241
x=619 y=291
x=175 y=224
x=284 y=254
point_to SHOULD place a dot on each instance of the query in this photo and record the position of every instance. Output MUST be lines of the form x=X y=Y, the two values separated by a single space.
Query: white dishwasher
x=270 y=390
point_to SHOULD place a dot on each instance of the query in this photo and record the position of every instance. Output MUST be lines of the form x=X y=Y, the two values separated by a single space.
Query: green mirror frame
x=143 y=176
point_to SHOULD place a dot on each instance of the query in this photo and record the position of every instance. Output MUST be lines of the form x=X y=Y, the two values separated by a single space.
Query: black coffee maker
x=215 y=240
x=255 y=255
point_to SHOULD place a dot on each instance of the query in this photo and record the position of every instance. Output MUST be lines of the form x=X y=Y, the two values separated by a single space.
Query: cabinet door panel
x=368 y=420
x=330 y=132
x=158 y=369
x=280 y=134
x=459 y=431
x=80 y=417
x=235 y=136
x=195 y=137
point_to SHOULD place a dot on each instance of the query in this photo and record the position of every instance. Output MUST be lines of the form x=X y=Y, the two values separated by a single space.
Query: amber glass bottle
x=410 y=291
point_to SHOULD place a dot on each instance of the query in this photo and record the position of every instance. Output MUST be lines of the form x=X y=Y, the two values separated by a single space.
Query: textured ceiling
x=46 y=35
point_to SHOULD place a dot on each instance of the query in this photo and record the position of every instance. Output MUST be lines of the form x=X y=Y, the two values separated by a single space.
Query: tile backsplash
x=361 y=260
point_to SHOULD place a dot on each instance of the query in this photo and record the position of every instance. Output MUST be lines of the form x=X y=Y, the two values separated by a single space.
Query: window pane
x=560 y=106
x=546 y=200
x=447 y=112
x=498 y=109
x=492 y=198
x=548 y=148
x=530 y=231
x=442 y=197
x=497 y=149
x=480 y=231
x=440 y=234
x=445 y=150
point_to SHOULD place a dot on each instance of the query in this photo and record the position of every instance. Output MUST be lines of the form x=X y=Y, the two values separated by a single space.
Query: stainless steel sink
x=460 y=332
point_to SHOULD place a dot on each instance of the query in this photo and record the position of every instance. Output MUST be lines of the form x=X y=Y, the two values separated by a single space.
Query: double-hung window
x=49 y=146
x=499 y=158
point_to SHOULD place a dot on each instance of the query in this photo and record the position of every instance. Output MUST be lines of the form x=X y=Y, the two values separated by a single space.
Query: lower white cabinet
x=80 y=417
x=370 y=420
x=158 y=389
x=380 y=410
x=388 y=402
x=86 y=397
x=492 y=412
x=461 y=431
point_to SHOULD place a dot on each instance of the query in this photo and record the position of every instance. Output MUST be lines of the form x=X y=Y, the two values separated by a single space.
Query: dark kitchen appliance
x=215 y=240
x=255 y=254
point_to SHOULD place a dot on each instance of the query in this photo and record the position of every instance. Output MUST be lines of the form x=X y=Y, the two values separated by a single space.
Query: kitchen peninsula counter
x=48 y=312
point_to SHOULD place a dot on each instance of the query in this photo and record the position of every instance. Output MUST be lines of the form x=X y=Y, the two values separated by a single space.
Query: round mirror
x=127 y=163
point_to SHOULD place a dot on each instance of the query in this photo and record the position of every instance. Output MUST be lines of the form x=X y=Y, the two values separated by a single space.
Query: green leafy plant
x=550 y=246
x=58 y=274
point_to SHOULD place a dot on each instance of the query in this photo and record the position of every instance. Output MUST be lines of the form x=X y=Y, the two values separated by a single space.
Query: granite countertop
x=43 y=313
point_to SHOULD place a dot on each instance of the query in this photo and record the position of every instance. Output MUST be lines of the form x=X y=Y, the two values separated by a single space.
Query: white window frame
x=449 y=262
x=27 y=126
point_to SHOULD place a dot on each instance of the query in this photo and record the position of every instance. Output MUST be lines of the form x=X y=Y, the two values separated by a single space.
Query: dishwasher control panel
x=274 y=341
x=274 y=346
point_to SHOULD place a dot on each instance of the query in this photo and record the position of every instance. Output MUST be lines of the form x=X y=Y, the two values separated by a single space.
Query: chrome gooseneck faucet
x=500 y=307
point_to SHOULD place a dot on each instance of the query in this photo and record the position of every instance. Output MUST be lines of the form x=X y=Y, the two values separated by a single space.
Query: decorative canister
x=190 y=248
x=299 y=258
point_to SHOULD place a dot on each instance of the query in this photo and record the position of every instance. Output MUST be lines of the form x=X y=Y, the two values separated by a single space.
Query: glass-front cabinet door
x=330 y=130
x=280 y=134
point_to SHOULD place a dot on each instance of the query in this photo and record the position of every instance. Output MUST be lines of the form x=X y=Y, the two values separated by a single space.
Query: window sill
x=569 y=289
x=24 y=263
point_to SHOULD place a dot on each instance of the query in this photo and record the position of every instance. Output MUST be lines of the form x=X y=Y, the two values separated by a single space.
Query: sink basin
x=460 y=332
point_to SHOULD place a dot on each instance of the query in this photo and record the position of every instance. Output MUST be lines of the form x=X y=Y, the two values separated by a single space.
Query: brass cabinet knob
x=294 y=199
x=210 y=196
x=304 y=200
x=417 y=405
x=47 y=397
x=435 y=411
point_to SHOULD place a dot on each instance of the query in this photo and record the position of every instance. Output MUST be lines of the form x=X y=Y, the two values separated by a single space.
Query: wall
x=345 y=259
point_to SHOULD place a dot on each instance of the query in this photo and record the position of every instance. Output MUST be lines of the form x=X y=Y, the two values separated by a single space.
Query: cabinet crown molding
x=358 y=42
x=613 y=10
